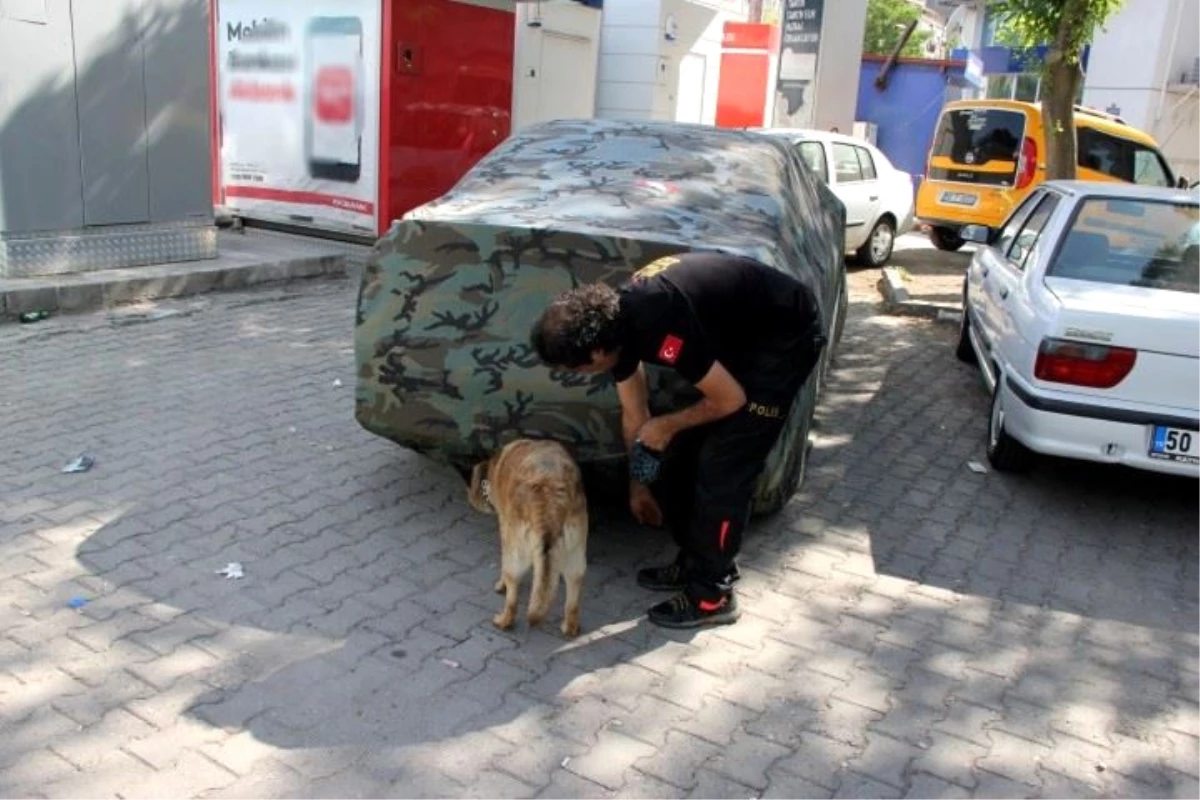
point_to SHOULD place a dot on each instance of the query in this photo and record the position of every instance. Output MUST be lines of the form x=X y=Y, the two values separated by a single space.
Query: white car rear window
x=1132 y=243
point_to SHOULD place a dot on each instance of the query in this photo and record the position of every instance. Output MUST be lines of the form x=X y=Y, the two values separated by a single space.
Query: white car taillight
x=1094 y=365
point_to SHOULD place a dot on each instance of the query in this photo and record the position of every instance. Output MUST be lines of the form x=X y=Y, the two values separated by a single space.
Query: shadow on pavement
x=386 y=608
x=1070 y=591
x=1069 y=536
x=902 y=615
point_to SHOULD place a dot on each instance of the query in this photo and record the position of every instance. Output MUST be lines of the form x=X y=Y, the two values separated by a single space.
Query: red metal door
x=447 y=99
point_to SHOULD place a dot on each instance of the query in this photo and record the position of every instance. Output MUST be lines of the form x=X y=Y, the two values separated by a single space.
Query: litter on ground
x=232 y=571
x=81 y=464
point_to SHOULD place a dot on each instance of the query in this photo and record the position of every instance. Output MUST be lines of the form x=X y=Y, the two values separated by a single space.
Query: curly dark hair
x=577 y=323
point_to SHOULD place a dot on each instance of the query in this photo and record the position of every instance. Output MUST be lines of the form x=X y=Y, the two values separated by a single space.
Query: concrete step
x=251 y=257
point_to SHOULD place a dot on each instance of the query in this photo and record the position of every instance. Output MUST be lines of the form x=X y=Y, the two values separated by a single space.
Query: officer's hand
x=643 y=505
x=655 y=433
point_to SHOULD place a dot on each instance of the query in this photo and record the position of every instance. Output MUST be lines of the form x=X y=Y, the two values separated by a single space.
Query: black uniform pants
x=709 y=472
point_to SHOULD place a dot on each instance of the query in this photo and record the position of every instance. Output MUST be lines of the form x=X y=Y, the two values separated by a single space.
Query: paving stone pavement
x=911 y=628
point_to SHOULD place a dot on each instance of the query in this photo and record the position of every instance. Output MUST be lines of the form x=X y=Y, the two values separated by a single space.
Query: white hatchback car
x=1083 y=312
x=877 y=196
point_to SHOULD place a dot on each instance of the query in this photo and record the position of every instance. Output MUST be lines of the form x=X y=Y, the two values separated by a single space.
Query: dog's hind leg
x=510 y=578
x=545 y=581
x=574 y=566
x=504 y=620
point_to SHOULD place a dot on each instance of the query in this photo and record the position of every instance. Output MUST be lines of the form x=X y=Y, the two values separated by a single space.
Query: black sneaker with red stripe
x=685 y=611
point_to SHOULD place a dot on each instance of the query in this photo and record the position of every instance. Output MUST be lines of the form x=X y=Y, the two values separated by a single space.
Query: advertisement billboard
x=299 y=111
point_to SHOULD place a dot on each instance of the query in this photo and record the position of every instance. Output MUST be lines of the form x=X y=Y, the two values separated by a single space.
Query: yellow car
x=987 y=155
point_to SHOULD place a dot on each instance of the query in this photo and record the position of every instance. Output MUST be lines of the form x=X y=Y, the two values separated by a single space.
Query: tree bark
x=1062 y=79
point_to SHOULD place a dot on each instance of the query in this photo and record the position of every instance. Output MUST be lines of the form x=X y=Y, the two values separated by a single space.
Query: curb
x=893 y=287
x=89 y=291
x=897 y=301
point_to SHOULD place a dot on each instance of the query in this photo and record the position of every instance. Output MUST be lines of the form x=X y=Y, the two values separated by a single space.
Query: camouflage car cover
x=449 y=294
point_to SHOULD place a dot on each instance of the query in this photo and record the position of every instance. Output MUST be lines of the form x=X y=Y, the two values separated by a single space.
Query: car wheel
x=1005 y=452
x=965 y=352
x=876 y=251
x=946 y=239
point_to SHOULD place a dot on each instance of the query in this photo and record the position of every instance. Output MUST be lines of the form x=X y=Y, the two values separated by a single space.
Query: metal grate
x=86 y=250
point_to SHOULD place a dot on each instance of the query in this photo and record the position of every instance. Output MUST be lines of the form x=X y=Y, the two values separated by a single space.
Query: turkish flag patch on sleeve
x=668 y=353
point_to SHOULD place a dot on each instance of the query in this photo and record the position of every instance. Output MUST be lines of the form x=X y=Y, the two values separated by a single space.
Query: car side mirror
x=978 y=234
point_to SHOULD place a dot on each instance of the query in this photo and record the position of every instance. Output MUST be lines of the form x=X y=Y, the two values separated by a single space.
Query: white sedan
x=877 y=196
x=1083 y=313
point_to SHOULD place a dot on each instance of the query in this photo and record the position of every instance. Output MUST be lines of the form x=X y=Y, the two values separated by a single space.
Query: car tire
x=946 y=239
x=965 y=351
x=1005 y=452
x=876 y=251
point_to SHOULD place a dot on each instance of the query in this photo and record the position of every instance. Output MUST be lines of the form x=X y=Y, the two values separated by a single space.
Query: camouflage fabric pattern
x=450 y=292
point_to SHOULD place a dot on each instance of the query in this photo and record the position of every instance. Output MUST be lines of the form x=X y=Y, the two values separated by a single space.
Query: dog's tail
x=545 y=574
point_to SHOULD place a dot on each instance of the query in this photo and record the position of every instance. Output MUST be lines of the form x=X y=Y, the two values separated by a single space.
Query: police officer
x=746 y=336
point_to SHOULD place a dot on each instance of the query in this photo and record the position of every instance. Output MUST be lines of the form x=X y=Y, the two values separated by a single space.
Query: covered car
x=449 y=294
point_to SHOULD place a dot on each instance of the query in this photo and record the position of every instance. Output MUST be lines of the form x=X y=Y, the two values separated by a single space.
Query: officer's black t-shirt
x=687 y=311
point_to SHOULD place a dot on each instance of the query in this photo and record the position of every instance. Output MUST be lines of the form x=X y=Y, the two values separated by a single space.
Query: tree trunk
x=1062 y=79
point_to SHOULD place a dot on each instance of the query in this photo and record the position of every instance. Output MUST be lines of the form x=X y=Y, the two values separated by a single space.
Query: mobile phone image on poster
x=334 y=114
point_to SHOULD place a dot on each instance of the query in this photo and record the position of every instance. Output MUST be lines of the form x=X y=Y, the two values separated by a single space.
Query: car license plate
x=959 y=199
x=1175 y=444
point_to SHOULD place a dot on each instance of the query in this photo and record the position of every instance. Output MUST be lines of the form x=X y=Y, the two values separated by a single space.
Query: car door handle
x=985 y=272
x=873 y=199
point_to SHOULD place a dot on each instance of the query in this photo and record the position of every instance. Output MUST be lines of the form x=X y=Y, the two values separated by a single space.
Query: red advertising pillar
x=746 y=53
x=343 y=117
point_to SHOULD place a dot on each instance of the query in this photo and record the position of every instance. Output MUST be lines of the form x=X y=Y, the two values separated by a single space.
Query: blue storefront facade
x=906 y=109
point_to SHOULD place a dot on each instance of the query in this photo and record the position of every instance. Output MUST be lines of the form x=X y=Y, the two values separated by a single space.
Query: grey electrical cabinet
x=105 y=134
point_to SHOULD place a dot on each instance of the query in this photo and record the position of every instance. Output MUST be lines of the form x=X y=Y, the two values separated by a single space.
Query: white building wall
x=1123 y=63
x=972 y=25
x=1187 y=41
x=556 y=62
x=839 y=64
x=629 y=50
x=1137 y=67
x=661 y=59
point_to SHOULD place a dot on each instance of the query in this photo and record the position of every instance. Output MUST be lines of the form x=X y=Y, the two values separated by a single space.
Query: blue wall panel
x=907 y=110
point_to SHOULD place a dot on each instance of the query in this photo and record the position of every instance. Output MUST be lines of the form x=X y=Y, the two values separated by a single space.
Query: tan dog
x=535 y=488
